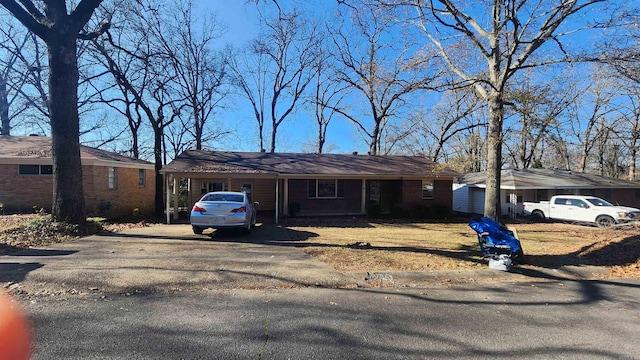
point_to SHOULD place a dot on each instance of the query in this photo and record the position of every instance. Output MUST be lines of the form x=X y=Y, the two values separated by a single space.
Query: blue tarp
x=494 y=234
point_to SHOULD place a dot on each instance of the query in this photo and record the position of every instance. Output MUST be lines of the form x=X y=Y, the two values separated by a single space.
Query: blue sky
x=299 y=130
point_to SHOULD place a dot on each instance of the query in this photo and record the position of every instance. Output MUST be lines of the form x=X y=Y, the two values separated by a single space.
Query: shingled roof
x=199 y=161
x=548 y=179
x=37 y=148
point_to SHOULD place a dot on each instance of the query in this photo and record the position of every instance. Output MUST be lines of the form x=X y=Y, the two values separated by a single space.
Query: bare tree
x=60 y=30
x=328 y=96
x=630 y=129
x=589 y=115
x=503 y=36
x=436 y=132
x=276 y=69
x=535 y=107
x=382 y=68
x=135 y=55
x=23 y=92
x=249 y=76
x=200 y=70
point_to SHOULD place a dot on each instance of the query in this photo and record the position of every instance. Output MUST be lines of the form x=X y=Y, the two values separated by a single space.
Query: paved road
x=545 y=320
x=163 y=293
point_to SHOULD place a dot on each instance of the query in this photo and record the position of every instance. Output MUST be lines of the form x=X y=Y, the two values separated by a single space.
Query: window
x=113 y=178
x=206 y=187
x=142 y=179
x=325 y=189
x=223 y=197
x=577 y=202
x=427 y=189
x=35 y=170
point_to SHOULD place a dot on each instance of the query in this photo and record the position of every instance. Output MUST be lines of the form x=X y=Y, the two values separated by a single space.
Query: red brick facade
x=26 y=192
x=395 y=195
x=412 y=194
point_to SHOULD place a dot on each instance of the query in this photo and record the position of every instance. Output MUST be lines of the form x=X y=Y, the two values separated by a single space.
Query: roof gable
x=199 y=161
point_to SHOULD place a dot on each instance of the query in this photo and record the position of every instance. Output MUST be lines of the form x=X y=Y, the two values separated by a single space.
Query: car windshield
x=598 y=202
x=224 y=197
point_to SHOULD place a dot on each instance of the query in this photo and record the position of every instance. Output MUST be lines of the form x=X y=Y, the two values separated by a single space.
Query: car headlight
x=624 y=215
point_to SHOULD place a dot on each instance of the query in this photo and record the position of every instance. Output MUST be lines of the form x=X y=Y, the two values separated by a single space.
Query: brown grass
x=358 y=245
x=439 y=246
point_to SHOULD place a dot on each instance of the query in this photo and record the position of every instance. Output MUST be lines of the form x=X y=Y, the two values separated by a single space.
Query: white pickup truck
x=587 y=209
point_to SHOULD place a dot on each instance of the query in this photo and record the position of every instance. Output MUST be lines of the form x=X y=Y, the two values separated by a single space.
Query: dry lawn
x=358 y=245
x=363 y=246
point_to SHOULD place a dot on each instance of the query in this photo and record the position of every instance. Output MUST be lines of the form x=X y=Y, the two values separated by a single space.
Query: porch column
x=189 y=193
x=176 y=195
x=363 y=201
x=277 y=199
x=229 y=184
x=285 y=205
x=166 y=186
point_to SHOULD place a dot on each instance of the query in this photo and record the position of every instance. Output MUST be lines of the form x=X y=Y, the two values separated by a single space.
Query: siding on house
x=461 y=202
x=263 y=190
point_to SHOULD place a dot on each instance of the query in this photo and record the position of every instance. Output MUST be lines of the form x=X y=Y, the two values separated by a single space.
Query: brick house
x=114 y=185
x=317 y=184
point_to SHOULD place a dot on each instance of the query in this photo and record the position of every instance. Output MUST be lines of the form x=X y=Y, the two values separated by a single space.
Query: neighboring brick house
x=114 y=185
x=318 y=184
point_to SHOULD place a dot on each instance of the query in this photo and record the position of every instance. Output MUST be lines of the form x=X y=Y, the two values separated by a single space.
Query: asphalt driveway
x=169 y=258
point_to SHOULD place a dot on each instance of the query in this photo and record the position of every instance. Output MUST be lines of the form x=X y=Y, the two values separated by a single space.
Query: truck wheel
x=604 y=221
x=538 y=215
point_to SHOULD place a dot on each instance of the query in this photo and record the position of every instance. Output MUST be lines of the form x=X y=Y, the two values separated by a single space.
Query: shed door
x=477 y=201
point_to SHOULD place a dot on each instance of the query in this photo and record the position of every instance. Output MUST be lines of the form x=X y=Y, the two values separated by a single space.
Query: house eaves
x=539 y=179
x=33 y=150
x=290 y=165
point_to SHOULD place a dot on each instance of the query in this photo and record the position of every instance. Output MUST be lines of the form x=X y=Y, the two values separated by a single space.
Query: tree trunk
x=157 y=151
x=632 y=161
x=492 y=208
x=274 y=131
x=5 y=125
x=375 y=138
x=68 y=198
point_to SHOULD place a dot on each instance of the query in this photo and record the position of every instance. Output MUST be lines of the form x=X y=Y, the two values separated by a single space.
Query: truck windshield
x=598 y=202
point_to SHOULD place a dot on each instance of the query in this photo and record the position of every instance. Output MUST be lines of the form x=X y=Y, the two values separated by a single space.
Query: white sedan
x=223 y=209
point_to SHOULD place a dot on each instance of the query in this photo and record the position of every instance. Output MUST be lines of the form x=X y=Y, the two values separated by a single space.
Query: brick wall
x=24 y=192
x=127 y=195
x=412 y=194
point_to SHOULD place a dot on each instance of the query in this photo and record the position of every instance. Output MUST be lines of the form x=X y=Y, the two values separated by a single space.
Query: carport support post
x=166 y=185
x=176 y=193
x=285 y=203
x=277 y=198
x=363 y=201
